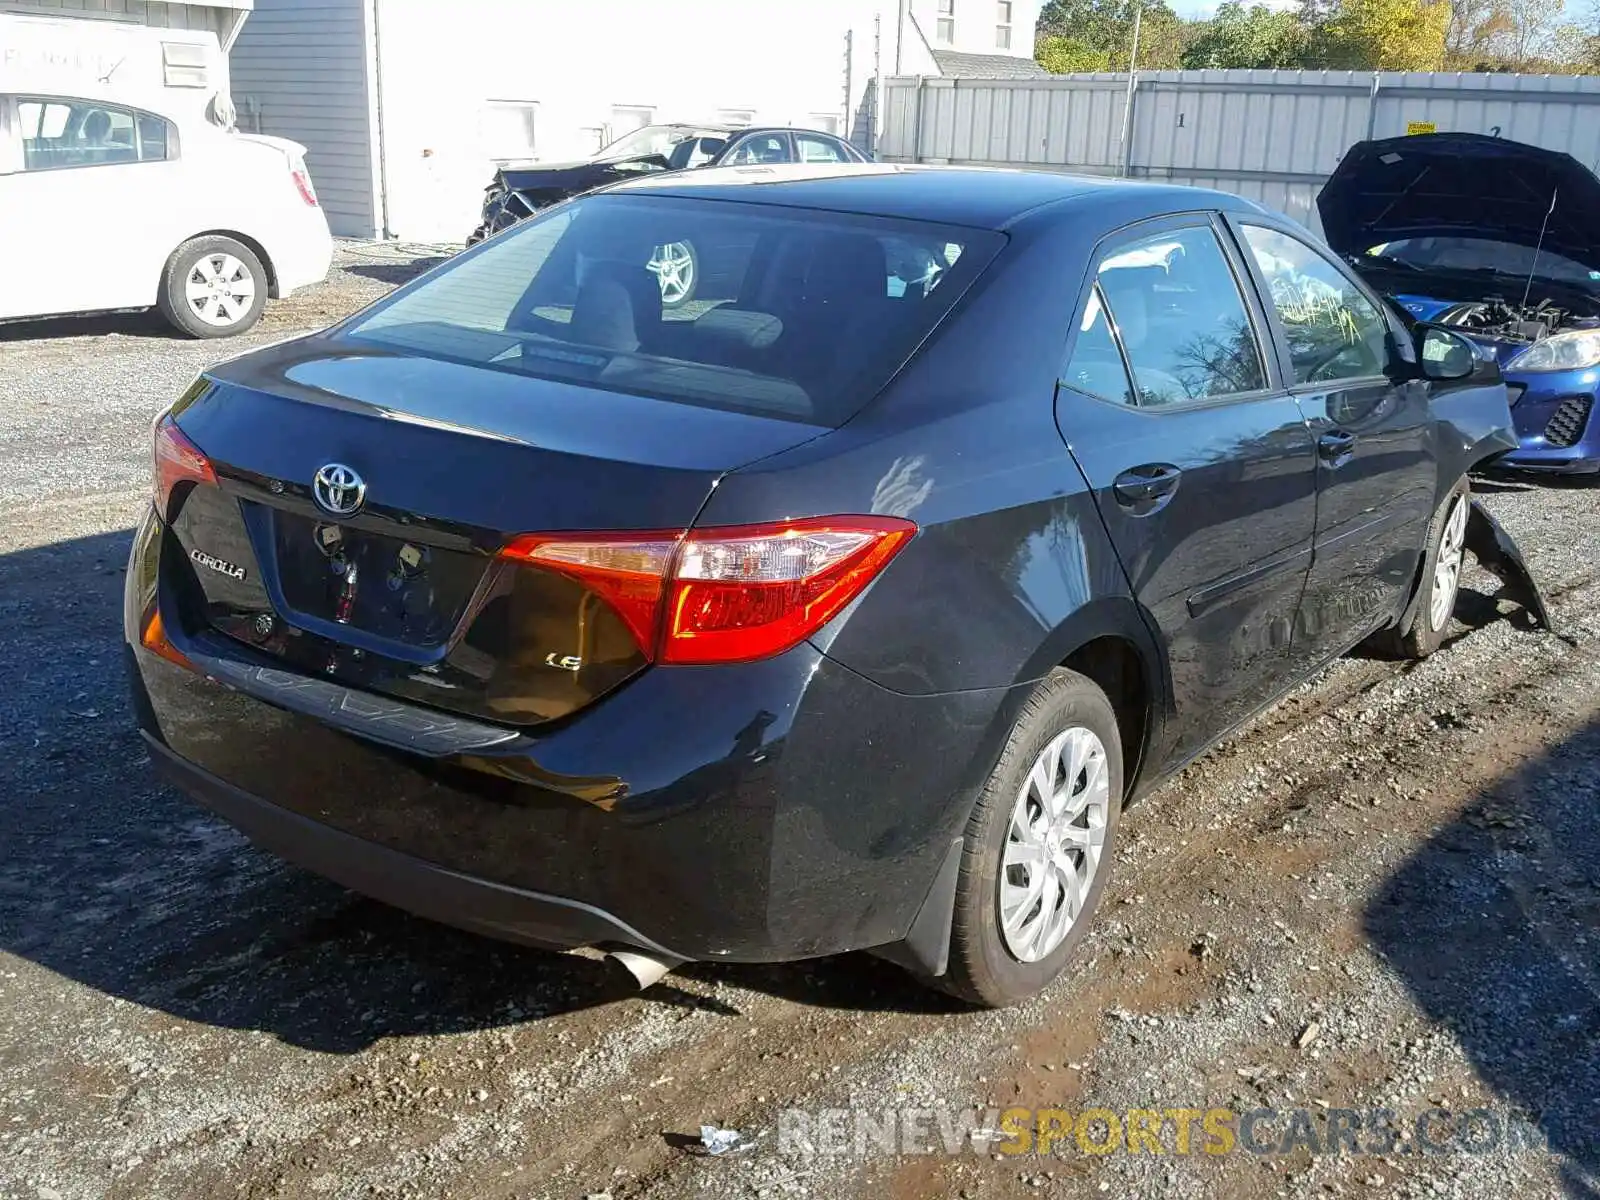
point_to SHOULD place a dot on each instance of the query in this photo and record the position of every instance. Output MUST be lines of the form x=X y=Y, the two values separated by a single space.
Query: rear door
x=1201 y=464
x=1376 y=472
x=90 y=213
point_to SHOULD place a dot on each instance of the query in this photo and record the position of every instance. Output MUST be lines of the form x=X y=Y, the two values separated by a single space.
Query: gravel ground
x=1385 y=893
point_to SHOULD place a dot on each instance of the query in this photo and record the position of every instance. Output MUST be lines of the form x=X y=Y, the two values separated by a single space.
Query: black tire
x=186 y=260
x=983 y=970
x=1418 y=638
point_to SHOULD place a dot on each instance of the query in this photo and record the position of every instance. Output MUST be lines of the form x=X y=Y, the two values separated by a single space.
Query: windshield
x=652 y=139
x=1479 y=254
x=780 y=312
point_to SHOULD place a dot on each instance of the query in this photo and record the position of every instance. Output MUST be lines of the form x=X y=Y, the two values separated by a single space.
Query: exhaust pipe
x=646 y=969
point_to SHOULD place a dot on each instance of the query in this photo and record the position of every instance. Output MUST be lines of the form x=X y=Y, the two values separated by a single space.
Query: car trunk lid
x=405 y=593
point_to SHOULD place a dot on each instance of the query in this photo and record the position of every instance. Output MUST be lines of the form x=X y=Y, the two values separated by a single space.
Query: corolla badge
x=338 y=489
x=220 y=565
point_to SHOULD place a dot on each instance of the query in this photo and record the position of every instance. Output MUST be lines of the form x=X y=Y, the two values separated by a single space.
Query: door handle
x=1336 y=447
x=1145 y=489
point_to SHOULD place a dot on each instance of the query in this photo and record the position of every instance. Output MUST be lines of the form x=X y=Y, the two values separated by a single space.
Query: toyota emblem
x=339 y=490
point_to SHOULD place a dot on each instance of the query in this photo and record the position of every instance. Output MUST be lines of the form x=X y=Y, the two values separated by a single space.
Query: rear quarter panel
x=1011 y=565
x=232 y=185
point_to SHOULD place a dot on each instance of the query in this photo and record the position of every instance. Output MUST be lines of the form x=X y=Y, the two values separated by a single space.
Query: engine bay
x=1507 y=321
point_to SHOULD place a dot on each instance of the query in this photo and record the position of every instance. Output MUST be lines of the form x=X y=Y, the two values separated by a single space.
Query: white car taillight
x=302 y=181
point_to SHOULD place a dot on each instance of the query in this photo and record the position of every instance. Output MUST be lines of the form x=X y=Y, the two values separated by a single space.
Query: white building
x=221 y=17
x=406 y=105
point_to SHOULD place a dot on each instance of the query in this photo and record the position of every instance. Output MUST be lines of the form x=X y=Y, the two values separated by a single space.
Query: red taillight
x=730 y=594
x=626 y=570
x=302 y=182
x=176 y=459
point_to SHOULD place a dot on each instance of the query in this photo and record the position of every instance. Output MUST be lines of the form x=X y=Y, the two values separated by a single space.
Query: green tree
x=1255 y=38
x=1106 y=27
x=1066 y=56
x=1382 y=35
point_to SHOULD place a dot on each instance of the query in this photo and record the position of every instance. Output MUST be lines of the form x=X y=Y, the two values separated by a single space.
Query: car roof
x=714 y=127
x=980 y=197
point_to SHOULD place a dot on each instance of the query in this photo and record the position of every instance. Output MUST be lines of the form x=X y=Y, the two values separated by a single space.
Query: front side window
x=83 y=133
x=944 y=31
x=797 y=315
x=760 y=148
x=1178 y=312
x=1334 y=331
x=696 y=152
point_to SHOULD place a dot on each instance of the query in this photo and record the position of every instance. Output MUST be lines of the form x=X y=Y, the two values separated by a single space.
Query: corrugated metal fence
x=1274 y=136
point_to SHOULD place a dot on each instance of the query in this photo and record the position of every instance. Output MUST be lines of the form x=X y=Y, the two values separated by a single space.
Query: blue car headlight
x=1572 y=351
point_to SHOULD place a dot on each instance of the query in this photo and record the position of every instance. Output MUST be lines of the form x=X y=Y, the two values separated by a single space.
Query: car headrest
x=96 y=127
x=617 y=306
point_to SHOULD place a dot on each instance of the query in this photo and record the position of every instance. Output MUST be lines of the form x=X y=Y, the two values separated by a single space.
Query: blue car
x=1502 y=241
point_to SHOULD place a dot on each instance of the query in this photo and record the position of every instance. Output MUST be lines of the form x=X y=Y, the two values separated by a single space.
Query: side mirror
x=1446 y=355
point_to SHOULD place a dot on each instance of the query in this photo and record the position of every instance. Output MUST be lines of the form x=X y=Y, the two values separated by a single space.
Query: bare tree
x=1474 y=25
x=1532 y=25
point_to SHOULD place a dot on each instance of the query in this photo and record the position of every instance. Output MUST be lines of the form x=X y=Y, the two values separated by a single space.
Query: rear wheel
x=1038 y=845
x=1441 y=579
x=213 y=287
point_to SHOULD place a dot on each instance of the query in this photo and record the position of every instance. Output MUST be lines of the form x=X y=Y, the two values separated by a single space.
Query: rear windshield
x=781 y=312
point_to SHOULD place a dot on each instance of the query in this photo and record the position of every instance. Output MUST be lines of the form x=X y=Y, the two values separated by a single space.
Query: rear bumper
x=769 y=811
x=303 y=254
x=512 y=914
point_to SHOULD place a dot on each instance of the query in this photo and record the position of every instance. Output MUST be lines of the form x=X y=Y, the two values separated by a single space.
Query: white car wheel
x=213 y=287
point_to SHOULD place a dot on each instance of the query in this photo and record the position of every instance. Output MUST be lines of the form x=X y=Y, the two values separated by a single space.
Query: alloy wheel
x=1054 y=843
x=1447 y=565
x=673 y=267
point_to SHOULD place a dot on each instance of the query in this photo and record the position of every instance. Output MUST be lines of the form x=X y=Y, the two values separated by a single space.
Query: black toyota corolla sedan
x=843 y=608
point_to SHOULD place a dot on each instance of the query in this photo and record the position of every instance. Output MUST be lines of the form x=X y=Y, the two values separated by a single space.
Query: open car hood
x=1461 y=185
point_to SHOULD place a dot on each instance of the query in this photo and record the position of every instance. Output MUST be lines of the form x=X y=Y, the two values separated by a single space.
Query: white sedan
x=114 y=206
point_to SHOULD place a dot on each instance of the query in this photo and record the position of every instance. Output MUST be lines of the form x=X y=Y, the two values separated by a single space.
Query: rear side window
x=1334 y=332
x=1177 y=310
x=86 y=133
x=1096 y=365
x=775 y=311
x=815 y=149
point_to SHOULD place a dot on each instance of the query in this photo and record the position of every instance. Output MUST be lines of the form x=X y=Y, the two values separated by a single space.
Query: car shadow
x=396 y=272
x=110 y=879
x=1475 y=610
x=1494 y=927
x=146 y=323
